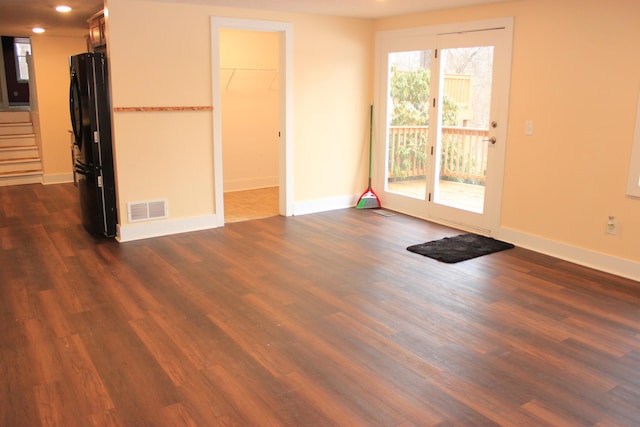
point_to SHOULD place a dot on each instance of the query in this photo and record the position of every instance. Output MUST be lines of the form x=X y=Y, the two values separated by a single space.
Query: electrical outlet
x=528 y=128
x=612 y=225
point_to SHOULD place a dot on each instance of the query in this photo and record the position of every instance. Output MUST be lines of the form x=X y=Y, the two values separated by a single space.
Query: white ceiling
x=352 y=8
x=17 y=17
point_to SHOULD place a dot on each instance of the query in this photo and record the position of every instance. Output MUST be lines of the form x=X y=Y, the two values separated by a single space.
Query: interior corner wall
x=250 y=109
x=51 y=65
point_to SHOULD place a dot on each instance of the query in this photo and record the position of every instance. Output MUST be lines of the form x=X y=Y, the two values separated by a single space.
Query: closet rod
x=248 y=69
x=235 y=69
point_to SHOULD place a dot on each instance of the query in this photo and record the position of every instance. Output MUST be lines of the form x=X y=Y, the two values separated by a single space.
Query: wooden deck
x=469 y=197
x=314 y=320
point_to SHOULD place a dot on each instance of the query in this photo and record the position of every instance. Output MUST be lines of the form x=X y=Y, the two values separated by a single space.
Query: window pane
x=23 y=68
x=22 y=49
x=464 y=130
x=408 y=125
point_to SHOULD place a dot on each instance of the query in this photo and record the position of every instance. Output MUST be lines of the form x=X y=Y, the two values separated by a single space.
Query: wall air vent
x=146 y=211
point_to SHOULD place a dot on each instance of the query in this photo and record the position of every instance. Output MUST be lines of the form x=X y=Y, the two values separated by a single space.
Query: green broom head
x=368 y=200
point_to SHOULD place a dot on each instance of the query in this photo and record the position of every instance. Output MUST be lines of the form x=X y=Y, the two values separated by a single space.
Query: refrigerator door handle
x=75 y=107
x=81 y=171
x=73 y=160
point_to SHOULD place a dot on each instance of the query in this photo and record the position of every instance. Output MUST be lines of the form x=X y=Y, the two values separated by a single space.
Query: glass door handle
x=491 y=140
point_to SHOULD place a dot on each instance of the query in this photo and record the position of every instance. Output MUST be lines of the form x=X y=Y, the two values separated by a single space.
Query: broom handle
x=370 y=140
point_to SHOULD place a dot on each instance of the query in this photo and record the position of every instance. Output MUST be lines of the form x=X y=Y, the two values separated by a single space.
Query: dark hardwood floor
x=316 y=320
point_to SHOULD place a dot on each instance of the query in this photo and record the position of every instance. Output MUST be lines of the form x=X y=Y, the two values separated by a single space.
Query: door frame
x=4 y=94
x=413 y=38
x=285 y=29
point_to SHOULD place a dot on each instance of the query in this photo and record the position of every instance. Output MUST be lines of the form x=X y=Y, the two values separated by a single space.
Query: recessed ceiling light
x=63 y=9
x=38 y=30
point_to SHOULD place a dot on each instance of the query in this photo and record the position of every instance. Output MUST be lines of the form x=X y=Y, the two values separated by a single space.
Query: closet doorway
x=250 y=123
x=251 y=119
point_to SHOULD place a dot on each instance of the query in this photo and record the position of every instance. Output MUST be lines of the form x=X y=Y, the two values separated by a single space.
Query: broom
x=369 y=199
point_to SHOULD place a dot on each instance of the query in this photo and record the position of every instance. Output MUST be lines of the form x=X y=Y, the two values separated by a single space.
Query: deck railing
x=463 y=155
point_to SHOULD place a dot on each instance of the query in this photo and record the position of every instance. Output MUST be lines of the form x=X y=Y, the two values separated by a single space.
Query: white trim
x=58 y=178
x=633 y=182
x=286 y=107
x=599 y=261
x=147 y=230
x=250 y=183
x=324 y=205
x=150 y=229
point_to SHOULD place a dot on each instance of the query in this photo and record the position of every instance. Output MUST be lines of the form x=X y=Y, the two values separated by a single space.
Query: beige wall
x=51 y=64
x=165 y=60
x=170 y=65
x=250 y=97
x=576 y=75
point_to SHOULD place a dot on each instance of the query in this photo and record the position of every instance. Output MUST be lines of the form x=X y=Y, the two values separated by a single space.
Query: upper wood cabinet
x=97 y=30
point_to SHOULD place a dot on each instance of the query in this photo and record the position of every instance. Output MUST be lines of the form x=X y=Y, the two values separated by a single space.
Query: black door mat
x=460 y=248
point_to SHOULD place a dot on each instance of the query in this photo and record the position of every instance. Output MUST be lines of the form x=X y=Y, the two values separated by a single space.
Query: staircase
x=19 y=156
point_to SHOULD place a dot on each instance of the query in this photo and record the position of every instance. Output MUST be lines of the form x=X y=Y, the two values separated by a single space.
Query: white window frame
x=19 y=65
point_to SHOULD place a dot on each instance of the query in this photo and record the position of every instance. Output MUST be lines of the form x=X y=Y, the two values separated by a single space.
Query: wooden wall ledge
x=143 y=109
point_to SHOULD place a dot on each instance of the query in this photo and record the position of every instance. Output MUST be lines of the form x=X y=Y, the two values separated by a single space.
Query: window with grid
x=22 y=49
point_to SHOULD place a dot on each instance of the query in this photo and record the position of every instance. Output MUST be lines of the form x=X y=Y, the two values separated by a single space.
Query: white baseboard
x=59 y=178
x=250 y=184
x=323 y=205
x=147 y=230
x=599 y=261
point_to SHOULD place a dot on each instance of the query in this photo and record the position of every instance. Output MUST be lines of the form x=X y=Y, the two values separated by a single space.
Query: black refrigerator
x=93 y=170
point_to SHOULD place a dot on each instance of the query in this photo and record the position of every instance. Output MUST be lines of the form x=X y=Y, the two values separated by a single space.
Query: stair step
x=18 y=151
x=20 y=160
x=20 y=177
x=15 y=116
x=16 y=128
x=19 y=157
x=31 y=164
x=21 y=172
x=14 y=140
x=18 y=147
